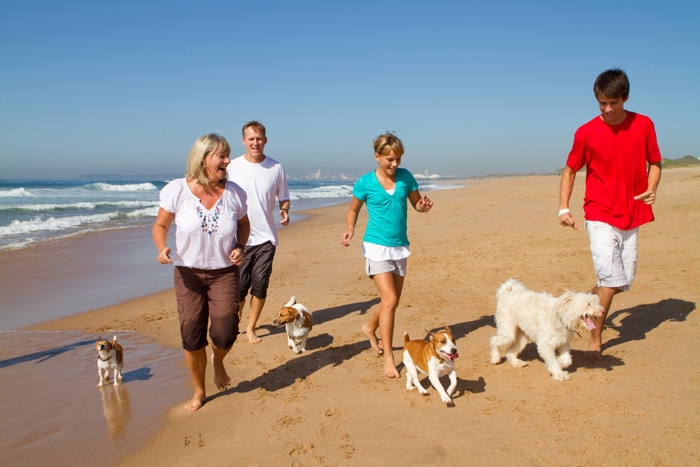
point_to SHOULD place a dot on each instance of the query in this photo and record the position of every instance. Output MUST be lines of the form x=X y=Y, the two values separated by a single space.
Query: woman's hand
x=237 y=255
x=164 y=256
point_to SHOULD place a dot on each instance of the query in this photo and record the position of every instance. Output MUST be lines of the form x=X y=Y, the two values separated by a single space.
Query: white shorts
x=397 y=266
x=614 y=254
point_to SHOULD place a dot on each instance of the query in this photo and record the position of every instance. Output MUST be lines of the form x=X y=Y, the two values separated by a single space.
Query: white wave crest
x=337 y=191
x=17 y=245
x=53 y=224
x=148 y=212
x=15 y=192
x=128 y=187
x=82 y=205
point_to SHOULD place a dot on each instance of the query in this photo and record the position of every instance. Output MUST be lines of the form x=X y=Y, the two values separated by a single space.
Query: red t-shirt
x=616 y=158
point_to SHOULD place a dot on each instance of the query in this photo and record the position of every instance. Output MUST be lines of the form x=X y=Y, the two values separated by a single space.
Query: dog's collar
x=105 y=359
x=441 y=359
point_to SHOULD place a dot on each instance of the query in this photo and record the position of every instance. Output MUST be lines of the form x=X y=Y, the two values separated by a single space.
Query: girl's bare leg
x=370 y=330
x=390 y=286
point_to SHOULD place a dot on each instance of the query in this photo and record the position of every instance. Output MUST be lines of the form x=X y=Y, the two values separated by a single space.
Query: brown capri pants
x=204 y=295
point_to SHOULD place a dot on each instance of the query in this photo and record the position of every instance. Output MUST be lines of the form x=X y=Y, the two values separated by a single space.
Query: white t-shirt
x=264 y=183
x=204 y=238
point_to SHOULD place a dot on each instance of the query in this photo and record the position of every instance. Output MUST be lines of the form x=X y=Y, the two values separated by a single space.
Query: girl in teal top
x=385 y=245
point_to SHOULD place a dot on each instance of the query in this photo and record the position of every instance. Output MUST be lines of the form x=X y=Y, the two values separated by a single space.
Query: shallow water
x=67 y=277
x=53 y=411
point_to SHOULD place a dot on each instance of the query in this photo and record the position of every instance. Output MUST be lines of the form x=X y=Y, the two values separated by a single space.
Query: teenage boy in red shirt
x=623 y=169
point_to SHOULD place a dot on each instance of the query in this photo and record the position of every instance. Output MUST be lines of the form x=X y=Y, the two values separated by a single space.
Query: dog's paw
x=446 y=399
x=561 y=376
x=565 y=360
x=517 y=363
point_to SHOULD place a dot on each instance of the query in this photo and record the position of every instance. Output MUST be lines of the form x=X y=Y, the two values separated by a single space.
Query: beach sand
x=333 y=406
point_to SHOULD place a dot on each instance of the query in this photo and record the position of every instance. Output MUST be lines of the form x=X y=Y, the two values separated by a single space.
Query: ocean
x=38 y=211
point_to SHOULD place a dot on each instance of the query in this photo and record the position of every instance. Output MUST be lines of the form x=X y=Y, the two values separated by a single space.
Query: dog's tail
x=291 y=301
x=405 y=338
x=114 y=340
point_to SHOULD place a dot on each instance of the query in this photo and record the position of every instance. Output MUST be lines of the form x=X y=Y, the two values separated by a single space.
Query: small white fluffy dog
x=550 y=322
x=297 y=320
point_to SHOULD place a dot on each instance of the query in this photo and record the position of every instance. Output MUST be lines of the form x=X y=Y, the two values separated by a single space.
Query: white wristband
x=563 y=211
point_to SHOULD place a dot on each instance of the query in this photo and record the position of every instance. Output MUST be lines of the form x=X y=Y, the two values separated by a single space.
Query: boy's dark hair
x=612 y=83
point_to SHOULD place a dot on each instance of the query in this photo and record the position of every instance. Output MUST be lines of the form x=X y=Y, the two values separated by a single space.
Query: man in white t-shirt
x=264 y=181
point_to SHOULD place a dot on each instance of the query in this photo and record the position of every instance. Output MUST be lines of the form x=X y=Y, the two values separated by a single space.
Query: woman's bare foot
x=221 y=377
x=196 y=402
x=373 y=341
x=252 y=337
x=593 y=355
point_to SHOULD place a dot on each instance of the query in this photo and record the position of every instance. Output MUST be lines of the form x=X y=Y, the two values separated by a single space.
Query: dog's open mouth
x=588 y=322
x=449 y=356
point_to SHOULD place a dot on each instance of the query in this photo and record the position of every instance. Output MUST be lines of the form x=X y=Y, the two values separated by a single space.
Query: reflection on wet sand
x=53 y=413
x=116 y=407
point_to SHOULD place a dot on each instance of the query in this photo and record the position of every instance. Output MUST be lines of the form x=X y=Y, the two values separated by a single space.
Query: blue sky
x=471 y=87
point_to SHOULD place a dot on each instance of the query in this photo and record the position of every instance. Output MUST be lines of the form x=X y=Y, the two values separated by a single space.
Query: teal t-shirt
x=388 y=214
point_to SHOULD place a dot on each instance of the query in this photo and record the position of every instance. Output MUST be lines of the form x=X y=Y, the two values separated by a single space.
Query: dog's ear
x=565 y=299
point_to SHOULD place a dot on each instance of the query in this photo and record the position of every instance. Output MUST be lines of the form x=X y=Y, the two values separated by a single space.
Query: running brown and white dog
x=435 y=359
x=550 y=322
x=297 y=319
x=110 y=356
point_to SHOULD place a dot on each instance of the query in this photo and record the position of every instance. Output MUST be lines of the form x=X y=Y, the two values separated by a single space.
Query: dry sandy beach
x=333 y=406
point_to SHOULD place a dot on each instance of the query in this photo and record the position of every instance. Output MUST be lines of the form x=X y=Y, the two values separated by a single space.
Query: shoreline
x=312 y=408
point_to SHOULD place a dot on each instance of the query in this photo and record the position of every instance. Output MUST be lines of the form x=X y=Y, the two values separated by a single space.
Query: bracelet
x=238 y=245
x=563 y=211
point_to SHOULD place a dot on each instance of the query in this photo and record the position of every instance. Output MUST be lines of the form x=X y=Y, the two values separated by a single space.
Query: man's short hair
x=254 y=125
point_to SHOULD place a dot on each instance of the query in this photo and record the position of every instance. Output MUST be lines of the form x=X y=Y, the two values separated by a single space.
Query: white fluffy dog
x=550 y=322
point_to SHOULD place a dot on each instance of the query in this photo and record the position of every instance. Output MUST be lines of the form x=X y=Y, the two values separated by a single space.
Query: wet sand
x=53 y=411
x=333 y=406
x=63 y=278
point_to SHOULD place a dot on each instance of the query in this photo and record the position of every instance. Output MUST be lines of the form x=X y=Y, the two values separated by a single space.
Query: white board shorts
x=614 y=254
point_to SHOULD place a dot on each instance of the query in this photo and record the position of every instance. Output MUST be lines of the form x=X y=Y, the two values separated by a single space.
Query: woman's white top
x=204 y=238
